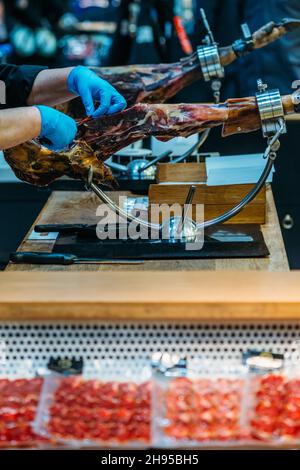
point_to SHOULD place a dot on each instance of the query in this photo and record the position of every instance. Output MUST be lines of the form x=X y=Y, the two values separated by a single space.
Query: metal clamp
x=296 y=97
x=208 y=54
x=210 y=62
x=270 y=109
x=245 y=45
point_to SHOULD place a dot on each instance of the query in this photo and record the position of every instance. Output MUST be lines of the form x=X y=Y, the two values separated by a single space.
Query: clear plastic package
x=80 y=411
x=198 y=409
x=19 y=398
x=274 y=407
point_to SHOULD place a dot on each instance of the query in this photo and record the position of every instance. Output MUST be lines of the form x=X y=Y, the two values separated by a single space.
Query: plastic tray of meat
x=88 y=412
x=199 y=411
x=274 y=407
x=18 y=403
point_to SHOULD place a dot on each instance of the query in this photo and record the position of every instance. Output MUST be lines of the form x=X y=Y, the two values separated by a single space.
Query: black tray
x=227 y=241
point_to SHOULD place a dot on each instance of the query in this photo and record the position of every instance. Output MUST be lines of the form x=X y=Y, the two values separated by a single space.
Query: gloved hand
x=58 y=128
x=85 y=83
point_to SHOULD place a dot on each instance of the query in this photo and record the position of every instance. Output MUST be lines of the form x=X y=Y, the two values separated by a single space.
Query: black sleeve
x=30 y=15
x=18 y=83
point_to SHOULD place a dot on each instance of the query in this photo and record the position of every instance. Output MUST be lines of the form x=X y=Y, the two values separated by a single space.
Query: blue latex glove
x=86 y=84
x=58 y=128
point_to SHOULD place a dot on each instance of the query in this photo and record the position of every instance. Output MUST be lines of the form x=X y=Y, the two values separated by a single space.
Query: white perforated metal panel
x=133 y=343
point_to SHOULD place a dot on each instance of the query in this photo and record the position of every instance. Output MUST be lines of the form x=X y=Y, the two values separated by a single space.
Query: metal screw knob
x=216 y=85
x=288 y=222
x=276 y=146
x=262 y=87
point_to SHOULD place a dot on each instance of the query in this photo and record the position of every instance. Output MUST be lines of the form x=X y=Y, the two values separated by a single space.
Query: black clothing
x=34 y=12
x=279 y=63
x=19 y=82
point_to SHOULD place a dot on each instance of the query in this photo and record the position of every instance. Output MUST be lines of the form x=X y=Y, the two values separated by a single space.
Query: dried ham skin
x=144 y=84
x=112 y=133
x=98 y=139
x=39 y=166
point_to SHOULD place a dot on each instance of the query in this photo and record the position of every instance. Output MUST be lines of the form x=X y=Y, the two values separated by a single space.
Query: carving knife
x=64 y=259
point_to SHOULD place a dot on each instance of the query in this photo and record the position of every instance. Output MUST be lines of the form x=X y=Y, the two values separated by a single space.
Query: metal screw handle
x=288 y=222
x=187 y=207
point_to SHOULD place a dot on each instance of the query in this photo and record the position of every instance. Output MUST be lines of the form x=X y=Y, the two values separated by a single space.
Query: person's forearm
x=19 y=125
x=51 y=88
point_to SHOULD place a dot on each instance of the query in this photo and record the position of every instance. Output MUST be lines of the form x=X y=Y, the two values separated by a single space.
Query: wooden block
x=216 y=200
x=252 y=214
x=208 y=195
x=181 y=172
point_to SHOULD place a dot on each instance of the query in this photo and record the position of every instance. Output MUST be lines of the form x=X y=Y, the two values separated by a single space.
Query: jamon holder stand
x=273 y=126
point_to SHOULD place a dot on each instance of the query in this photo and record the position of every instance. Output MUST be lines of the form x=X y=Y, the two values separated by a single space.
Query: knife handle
x=42 y=258
x=61 y=228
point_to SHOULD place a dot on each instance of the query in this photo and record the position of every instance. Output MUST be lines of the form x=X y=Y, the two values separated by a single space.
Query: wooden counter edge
x=151 y=296
x=143 y=312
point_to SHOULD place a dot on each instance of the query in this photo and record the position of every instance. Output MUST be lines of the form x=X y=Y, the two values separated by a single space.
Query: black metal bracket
x=245 y=45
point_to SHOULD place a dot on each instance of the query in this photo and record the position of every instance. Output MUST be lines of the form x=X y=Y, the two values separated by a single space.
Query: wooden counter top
x=80 y=207
x=186 y=296
x=187 y=290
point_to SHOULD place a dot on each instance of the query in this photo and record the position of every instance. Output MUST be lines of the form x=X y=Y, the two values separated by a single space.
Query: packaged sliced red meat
x=198 y=410
x=18 y=403
x=274 y=407
x=79 y=411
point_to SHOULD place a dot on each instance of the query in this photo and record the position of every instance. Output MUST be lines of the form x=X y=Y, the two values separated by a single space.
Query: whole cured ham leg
x=159 y=83
x=101 y=138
